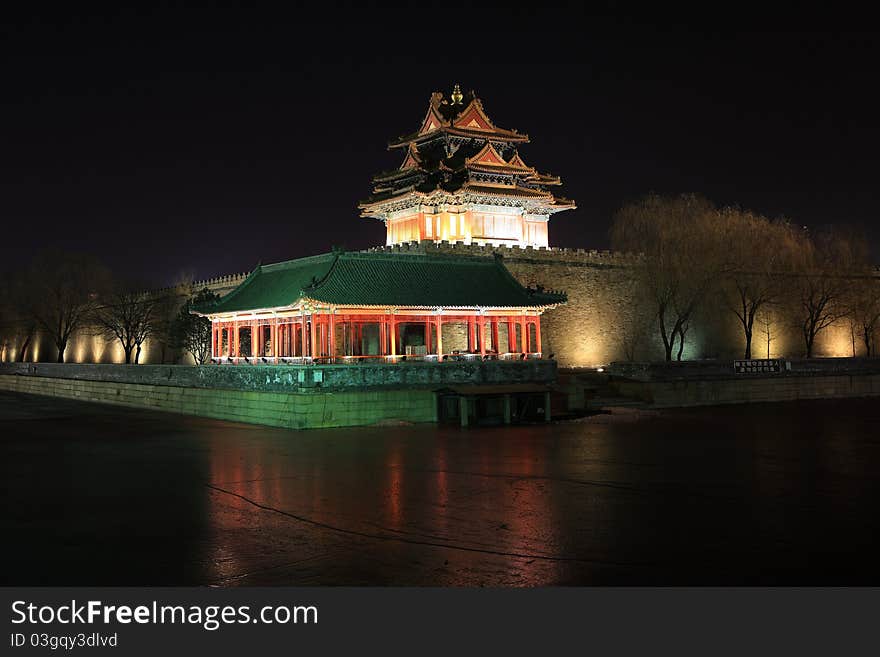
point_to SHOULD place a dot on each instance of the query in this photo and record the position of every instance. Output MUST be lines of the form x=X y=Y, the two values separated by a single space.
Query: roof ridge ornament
x=457 y=96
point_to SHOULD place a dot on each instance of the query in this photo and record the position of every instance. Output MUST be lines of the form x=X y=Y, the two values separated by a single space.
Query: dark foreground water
x=763 y=494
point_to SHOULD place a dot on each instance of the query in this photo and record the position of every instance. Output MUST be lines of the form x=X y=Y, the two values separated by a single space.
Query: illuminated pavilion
x=463 y=179
x=348 y=306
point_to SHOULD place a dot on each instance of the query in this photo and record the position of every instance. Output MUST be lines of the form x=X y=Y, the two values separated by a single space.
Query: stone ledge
x=291 y=410
x=260 y=379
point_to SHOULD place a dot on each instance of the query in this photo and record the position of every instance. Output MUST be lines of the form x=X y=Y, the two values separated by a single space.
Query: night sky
x=169 y=142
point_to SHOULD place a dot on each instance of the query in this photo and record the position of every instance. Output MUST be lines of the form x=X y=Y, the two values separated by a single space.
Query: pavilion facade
x=347 y=307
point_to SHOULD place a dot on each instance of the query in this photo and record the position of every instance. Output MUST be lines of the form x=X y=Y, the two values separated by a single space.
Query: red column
x=482 y=323
x=237 y=339
x=313 y=351
x=495 y=335
x=303 y=336
x=319 y=336
x=428 y=335
x=524 y=338
x=511 y=335
x=538 y=333
x=393 y=328
x=439 y=337
x=472 y=335
x=331 y=335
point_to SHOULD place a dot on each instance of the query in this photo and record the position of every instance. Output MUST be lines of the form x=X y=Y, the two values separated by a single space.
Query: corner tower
x=462 y=178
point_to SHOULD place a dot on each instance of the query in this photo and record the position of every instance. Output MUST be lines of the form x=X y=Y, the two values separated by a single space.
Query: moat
x=782 y=493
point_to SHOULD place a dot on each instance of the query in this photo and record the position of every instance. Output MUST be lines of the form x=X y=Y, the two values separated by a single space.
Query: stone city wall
x=88 y=346
x=602 y=322
x=604 y=312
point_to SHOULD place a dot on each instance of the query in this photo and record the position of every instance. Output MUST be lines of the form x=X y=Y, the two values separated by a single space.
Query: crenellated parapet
x=219 y=284
x=517 y=253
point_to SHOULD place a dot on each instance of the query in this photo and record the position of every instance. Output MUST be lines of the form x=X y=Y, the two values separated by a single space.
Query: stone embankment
x=707 y=383
x=298 y=397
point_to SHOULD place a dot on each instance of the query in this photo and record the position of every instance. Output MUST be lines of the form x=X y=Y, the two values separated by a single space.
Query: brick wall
x=604 y=313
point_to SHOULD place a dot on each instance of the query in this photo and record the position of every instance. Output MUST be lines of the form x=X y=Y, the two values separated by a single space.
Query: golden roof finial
x=457 y=95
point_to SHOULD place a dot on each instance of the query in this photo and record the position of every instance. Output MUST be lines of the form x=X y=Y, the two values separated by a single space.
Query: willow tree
x=683 y=244
x=823 y=268
x=761 y=254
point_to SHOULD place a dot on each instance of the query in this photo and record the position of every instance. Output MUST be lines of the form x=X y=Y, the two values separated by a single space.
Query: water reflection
x=677 y=498
x=765 y=494
x=462 y=498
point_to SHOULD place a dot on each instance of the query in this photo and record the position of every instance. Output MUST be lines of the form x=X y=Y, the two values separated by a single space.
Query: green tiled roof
x=383 y=279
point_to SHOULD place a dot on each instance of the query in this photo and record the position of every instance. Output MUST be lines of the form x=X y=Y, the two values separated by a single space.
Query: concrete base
x=293 y=410
x=684 y=393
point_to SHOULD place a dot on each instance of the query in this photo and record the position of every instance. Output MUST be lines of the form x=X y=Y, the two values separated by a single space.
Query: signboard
x=758 y=366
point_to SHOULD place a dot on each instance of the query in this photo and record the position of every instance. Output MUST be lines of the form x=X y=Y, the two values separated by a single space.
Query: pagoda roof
x=465 y=118
x=505 y=190
x=382 y=279
x=484 y=161
x=517 y=162
x=487 y=156
x=489 y=160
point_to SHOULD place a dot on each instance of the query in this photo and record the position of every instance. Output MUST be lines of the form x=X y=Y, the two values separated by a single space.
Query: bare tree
x=822 y=266
x=127 y=314
x=762 y=255
x=63 y=290
x=683 y=245
x=767 y=323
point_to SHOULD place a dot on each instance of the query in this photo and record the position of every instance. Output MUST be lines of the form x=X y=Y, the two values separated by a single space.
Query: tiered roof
x=460 y=115
x=382 y=279
x=459 y=150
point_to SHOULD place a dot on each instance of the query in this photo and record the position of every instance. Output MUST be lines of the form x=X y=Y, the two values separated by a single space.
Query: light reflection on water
x=762 y=494
x=686 y=497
